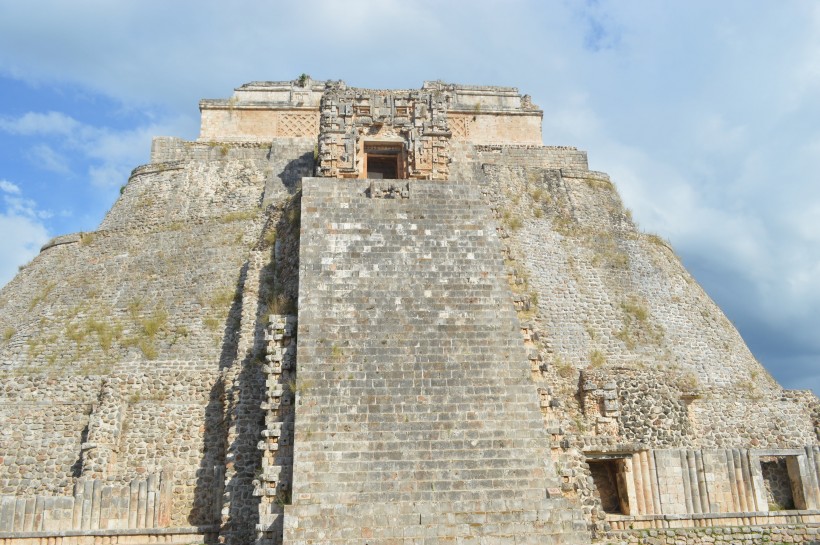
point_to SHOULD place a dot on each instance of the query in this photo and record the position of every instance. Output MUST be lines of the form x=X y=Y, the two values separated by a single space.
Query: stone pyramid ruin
x=384 y=317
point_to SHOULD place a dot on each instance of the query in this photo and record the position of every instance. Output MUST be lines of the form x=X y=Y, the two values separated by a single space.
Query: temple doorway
x=384 y=160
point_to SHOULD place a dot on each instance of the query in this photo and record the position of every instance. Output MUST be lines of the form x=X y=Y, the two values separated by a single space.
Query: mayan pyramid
x=362 y=316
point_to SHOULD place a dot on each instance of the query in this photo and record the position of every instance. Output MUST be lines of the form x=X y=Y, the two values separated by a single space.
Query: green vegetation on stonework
x=238 y=215
x=636 y=326
x=42 y=294
x=596 y=358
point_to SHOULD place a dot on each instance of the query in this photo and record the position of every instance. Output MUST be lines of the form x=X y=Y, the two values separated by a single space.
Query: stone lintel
x=779 y=452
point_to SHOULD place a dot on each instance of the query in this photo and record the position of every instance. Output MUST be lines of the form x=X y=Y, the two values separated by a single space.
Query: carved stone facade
x=408 y=128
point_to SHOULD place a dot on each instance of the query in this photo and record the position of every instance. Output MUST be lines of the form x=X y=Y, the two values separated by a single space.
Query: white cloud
x=20 y=206
x=9 y=187
x=111 y=153
x=21 y=241
x=49 y=123
x=108 y=175
x=22 y=228
x=47 y=158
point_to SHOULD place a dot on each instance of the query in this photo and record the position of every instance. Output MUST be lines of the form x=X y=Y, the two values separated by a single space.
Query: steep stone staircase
x=416 y=421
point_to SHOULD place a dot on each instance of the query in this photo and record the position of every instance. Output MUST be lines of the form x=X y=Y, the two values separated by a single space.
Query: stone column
x=647 y=480
x=694 y=484
x=629 y=481
x=653 y=483
x=702 y=482
x=748 y=492
x=732 y=475
x=637 y=474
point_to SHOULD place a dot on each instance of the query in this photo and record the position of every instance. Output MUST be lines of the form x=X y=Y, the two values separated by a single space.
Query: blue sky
x=704 y=113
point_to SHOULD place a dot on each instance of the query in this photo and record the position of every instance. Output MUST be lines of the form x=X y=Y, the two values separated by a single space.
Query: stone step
x=384 y=491
x=536 y=522
x=416 y=417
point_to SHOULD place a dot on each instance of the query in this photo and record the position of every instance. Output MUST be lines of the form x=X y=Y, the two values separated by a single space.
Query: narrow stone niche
x=607 y=475
x=777 y=482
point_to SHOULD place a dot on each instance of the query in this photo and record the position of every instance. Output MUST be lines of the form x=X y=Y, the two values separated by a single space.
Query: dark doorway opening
x=382 y=166
x=384 y=160
x=605 y=475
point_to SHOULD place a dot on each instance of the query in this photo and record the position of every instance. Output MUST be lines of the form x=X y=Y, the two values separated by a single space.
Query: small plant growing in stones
x=106 y=333
x=148 y=348
x=269 y=237
x=149 y=327
x=657 y=240
x=596 y=358
x=688 y=382
x=607 y=252
x=283 y=498
x=294 y=215
x=146 y=201
x=511 y=221
x=8 y=333
x=625 y=336
x=563 y=224
x=635 y=310
x=86 y=239
x=42 y=294
x=580 y=424
x=156 y=322
x=595 y=183
x=237 y=215
x=222 y=297
x=299 y=385
x=280 y=304
x=212 y=323
x=563 y=368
